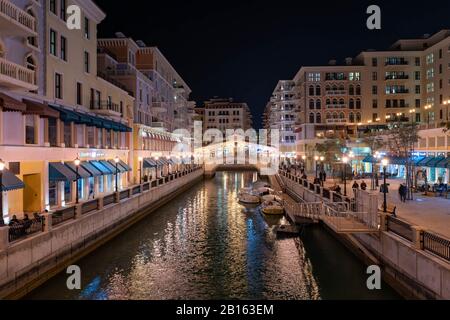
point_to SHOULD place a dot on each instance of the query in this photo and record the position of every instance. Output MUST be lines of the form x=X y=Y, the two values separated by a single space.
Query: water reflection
x=202 y=245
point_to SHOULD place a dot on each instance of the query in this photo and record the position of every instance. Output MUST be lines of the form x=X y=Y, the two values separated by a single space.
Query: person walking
x=402 y=192
x=363 y=186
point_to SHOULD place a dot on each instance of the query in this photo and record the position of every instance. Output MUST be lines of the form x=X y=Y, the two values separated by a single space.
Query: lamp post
x=345 y=161
x=140 y=160
x=385 y=163
x=2 y=168
x=116 y=160
x=322 y=167
x=316 y=158
x=77 y=165
x=427 y=108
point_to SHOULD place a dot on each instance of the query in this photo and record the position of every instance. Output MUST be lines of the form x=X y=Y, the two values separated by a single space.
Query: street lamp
x=77 y=165
x=345 y=161
x=316 y=158
x=412 y=112
x=116 y=160
x=427 y=108
x=2 y=168
x=385 y=163
x=140 y=160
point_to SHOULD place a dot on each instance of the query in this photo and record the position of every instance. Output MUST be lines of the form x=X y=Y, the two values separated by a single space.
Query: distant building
x=224 y=114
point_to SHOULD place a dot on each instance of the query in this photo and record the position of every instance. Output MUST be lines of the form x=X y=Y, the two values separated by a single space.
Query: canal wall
x=27 y=264
x=410 y=270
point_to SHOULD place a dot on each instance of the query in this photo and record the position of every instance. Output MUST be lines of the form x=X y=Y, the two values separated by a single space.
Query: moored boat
x=272 y=208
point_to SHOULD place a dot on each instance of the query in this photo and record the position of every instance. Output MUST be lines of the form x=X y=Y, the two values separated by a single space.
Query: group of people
x=363 y=186
x=21 y=227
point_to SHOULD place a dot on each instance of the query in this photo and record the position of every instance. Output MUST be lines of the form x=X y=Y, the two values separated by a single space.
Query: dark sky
x=242 y=48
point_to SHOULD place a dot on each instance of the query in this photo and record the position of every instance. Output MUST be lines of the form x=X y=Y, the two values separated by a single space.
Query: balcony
x=336 y=93
x=15 y=21
x=158 y=125
x=159 y=107
x=396 y=63
x=107 y=108
x=336 y=121
x=402 y=91
x=14 y=76
x=397 y=77
x=337 y=106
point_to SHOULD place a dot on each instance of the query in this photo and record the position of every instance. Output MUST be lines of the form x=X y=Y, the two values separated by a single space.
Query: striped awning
x=424 y=162
x=59 y=172
x=444 y=163
x=10 y=181
x=108 y=165
x=82 y=173
x=11 y=104
x=104 y=170
x=40 y=109
x=91 y=169
x=149 y=163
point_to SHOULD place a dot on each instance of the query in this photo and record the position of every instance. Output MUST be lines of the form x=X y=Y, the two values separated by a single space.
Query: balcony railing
x=17 y=75
x=11 y=12
x=336 y=92
x=337 y=106
x=336 y=121
x=106 y=106
x=403 y=91
x=397 y=63
x=397 y=77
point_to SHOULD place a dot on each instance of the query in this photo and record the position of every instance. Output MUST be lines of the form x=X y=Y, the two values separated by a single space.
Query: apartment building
x=162 y=103
x=282 y=114
x=224 y=114
x=53 y=113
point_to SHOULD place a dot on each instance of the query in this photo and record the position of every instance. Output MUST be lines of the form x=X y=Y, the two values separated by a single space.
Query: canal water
x=205 y=245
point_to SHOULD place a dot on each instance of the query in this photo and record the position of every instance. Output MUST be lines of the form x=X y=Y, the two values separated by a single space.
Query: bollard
x=100 y=204
x=48 y=222
x=78 y=211
x=417 y=237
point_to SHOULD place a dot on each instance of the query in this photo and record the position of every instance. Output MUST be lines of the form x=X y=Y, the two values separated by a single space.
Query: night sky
x=241 y=49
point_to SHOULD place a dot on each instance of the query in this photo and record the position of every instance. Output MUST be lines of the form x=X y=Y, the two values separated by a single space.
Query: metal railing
x=62 y=216
x=109 y=199
x=436 y=245
x=89 y=206
x=25 y=229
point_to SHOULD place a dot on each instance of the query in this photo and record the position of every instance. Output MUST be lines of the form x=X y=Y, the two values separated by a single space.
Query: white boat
x=271 y=197
x=272 y=208
x=249 y=198
x=263 y=191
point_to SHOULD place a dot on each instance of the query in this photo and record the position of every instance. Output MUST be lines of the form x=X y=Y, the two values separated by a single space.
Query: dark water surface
x=205 y=245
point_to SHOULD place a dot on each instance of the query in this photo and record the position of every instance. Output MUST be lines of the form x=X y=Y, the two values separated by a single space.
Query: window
x=430 y=87
x=58 y=86
x=417 y=75
x=53 y=6
x=30 y=129
x=417 y=62
x=90 y=136
x=318 y=91
x=52 y=193
x=418 y=89
x=374 y=76
x=311 y=90
x=63 y=48
x=354 y=76
x=87 y=32
x=430 y=58
x=374 y=90
x=62 y=10
x=374 y=103
x=79 y=94
x=86 y=62
x=53 y=42
x=430 y=73
x=374 y=62
x=52 y=132
x=418 y=103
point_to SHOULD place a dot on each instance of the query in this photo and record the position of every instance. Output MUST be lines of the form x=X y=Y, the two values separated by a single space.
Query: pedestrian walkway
x=430 y=213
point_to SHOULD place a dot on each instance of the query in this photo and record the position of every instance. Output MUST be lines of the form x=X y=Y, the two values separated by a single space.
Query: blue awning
x=149 y=163
x=82 y=173
x=424 y=162
x=370 y=159
x=108 y=165
x=125 y=166
x=91 y=169
x=59 y=172
x=10 y=181
x=433 y=163
x=444 y=163
x=120 y=167
x=104 y=170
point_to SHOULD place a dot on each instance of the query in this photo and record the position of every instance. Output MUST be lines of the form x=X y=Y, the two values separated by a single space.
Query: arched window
x=311 y=104
x=352 y=117
x=341 y=87
x=335 y=102
x=351 y=90
x=318 y=91
x=318 y=118
x=318 y=104
x=341 y=115
x=328 y=88
x=31 y=64
x=335 y=115
x=352 y=104
x=311 y=90
x=358 y=90
x=341 y=102
x=358 y=117
x=335 y=87
x=358 y=103
x=328 y=102
x=328 y=116
x=311 y=117
x=33 y=41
